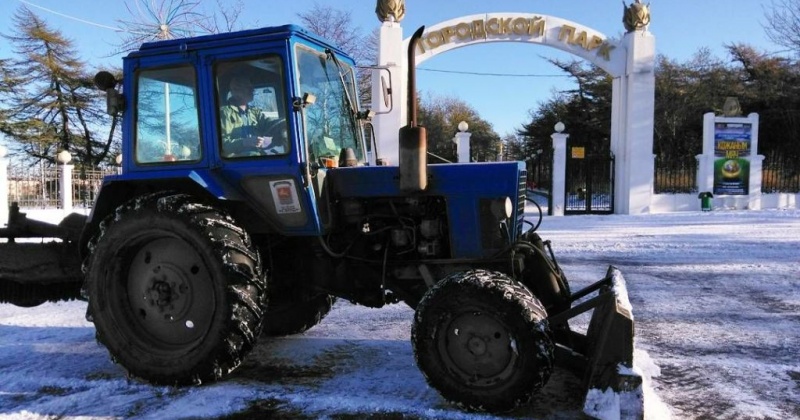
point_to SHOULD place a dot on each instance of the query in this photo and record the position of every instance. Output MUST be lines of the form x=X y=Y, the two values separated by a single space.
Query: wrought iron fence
x=781 y=174
x=675 y=176
x=540 y=170
x=40 y=187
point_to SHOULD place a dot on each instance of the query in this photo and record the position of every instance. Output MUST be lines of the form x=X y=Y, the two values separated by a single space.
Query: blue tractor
x=247 y=204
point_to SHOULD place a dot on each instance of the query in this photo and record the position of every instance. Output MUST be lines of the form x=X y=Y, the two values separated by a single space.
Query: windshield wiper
x=342 y=72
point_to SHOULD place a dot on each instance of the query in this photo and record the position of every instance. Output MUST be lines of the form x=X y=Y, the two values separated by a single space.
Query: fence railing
x=675 y=177
x=540 y=170
x=781 y=173
x=41 y=187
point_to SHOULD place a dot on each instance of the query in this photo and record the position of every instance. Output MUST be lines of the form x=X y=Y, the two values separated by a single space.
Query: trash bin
x=705 y=200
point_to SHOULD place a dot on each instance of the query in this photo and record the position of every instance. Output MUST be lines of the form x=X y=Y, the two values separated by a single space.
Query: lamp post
x=64 y=157
x=559 y=169
x=462 y=142
x=3 y=185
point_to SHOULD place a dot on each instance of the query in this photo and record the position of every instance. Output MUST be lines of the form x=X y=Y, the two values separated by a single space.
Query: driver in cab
x=244 y=127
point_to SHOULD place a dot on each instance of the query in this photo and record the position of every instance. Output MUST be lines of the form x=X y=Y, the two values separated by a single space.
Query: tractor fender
x=117 y=190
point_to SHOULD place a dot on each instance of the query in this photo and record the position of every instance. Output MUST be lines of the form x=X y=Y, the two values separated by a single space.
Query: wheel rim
x=478 y=347
x=170 y=293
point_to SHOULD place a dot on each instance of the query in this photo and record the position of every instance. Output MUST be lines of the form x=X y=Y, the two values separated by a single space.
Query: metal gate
x=589 y=185
x=540 y=178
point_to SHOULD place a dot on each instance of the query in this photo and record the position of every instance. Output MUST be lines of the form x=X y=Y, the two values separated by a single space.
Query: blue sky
x=680 y=27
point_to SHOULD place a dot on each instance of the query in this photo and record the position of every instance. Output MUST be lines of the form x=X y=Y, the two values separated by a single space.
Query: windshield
x=330 y=122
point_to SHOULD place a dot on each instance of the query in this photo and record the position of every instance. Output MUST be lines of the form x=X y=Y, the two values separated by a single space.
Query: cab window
x=167 y=122
x=252 y=108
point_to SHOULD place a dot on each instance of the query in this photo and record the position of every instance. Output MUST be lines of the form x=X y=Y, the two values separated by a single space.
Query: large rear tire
x=481 y=339
x=175 y=290
x=294 y=316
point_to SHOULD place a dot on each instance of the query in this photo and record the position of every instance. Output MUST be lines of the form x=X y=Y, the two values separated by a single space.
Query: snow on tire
x=481 y=339
x=175 y=289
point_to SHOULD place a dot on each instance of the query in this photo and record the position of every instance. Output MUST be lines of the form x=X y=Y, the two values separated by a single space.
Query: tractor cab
x=262 y=121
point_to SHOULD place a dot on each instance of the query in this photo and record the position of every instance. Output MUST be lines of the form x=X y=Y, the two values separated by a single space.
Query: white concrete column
x=559 y=172
x=388 y=120
x=66 y=187
x=462 y=142
x=633 y=149
x=3 y=186
x=705 y=172
x=705 y=161
x=756 y=177
x=756 y=165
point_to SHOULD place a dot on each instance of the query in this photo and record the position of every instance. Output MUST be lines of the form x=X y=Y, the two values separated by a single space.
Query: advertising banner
x=732 y=143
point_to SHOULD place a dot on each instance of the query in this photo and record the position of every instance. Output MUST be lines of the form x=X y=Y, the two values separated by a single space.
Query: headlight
x=502 y=208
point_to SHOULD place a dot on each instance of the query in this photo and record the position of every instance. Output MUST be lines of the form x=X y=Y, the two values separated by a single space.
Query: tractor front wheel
x=175 y=290
x=481 y=339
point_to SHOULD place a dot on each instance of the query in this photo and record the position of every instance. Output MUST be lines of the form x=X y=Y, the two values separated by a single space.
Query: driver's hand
x=256 y=142
x=263 y=142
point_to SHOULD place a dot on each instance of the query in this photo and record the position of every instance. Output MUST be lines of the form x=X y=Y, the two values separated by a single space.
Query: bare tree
x=153 y=20
x=337 y=26
x=226 y=19
x=783 y=23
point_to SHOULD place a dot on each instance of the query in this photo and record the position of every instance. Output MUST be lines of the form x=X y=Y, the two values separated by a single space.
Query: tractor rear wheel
x=175 y=289
x=294 y=316
x=481 y=339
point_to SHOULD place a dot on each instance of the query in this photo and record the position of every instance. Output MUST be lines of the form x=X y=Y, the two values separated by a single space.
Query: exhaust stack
x=413 y=138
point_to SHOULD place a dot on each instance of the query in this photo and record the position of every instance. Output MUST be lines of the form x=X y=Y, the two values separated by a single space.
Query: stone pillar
x=632 y=143
x=3 y=186
x=559 y=172
x=387 y=121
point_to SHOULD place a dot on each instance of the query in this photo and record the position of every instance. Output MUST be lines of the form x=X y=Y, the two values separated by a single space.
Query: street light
x=63 y=157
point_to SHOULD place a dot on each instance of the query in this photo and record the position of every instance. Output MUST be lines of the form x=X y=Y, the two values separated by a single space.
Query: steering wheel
x=277 y=129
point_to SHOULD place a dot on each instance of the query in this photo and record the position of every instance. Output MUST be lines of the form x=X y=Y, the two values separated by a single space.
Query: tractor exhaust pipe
x=413 y=138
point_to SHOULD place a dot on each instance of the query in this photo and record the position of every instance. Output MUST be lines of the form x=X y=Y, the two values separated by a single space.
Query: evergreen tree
x=584 y=110
x=50 y=103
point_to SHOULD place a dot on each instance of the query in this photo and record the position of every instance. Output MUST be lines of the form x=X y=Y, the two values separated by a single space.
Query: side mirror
x=306 y=100
x=386 y=87
x=105 y=81
x=115 y=102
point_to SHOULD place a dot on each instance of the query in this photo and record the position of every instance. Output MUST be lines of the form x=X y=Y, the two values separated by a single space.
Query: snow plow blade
x=49 y=269
x=604 y=356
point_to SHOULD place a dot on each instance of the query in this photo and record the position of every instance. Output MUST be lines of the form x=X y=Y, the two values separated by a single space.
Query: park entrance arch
x=630 y=61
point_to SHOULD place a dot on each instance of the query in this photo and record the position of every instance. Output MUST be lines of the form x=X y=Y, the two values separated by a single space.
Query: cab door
x=255 y=134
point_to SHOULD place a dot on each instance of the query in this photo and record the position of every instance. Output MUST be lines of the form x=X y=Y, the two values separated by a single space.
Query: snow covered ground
x=716 y=300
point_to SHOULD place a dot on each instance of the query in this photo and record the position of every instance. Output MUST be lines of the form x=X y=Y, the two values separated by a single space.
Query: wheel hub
x=479 y=347
x=170 y=292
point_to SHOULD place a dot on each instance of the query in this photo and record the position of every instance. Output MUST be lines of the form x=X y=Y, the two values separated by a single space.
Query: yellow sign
x=578 y=152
